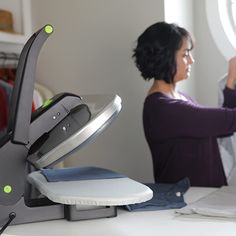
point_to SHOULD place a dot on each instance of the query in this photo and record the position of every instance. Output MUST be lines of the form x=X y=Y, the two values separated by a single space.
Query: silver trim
x=102 y=115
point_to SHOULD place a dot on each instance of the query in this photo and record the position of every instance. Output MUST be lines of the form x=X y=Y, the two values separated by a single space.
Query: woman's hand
x=231 y=73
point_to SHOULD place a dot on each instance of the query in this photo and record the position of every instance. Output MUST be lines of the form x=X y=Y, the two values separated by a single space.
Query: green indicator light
x=7 y=189
x=47 y=103
x=48 y=29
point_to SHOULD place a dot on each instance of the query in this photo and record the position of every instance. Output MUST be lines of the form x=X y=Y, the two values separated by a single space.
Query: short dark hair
x=155 y=53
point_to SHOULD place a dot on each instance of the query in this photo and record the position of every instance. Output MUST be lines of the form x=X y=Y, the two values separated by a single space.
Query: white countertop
x=165 y=222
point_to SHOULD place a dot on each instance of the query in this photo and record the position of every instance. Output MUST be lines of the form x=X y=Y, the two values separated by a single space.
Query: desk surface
x=150 y=223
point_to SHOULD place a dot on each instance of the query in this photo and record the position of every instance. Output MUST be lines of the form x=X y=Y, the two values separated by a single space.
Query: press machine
x=40 y=140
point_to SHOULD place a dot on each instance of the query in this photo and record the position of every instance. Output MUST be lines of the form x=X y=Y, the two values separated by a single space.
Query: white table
x=164 y=223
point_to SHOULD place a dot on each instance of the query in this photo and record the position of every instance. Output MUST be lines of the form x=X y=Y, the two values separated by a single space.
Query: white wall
x=181 y=12
x=210 y=64
x=90 y=52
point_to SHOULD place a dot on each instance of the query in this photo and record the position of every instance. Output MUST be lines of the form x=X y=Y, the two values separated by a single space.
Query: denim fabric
x=79 y=173
x=165 y=196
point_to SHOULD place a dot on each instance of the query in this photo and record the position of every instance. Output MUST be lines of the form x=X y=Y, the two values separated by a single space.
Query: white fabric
x=100 y=192
x=220 y=203
x=227 y=145
x=37 y=98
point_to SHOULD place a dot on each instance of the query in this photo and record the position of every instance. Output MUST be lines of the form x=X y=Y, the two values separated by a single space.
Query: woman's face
x=184 y=60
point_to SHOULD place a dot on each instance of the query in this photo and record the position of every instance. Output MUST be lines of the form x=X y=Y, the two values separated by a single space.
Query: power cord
x=11 y=216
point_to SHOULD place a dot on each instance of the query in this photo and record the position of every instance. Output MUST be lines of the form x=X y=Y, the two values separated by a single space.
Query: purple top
x=182 y=137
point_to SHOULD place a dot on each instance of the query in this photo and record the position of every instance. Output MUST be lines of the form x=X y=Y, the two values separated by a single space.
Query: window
x=221 y=17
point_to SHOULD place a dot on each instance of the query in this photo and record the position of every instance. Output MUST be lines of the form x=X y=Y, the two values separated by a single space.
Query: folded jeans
x=165 y=196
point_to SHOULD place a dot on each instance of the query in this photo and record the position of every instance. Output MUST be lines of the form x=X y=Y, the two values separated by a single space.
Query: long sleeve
x=177 y=118
x=182 y=139
x=229 y=97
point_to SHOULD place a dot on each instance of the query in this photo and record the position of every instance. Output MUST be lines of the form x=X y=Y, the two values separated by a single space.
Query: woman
x=181 y=134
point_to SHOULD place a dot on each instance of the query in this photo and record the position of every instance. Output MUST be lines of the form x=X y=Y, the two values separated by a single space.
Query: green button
x=48 y=29
x=47 y=103
x=7 y=189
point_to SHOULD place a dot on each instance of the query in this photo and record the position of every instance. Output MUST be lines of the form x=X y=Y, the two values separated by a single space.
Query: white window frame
x=222 y=26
